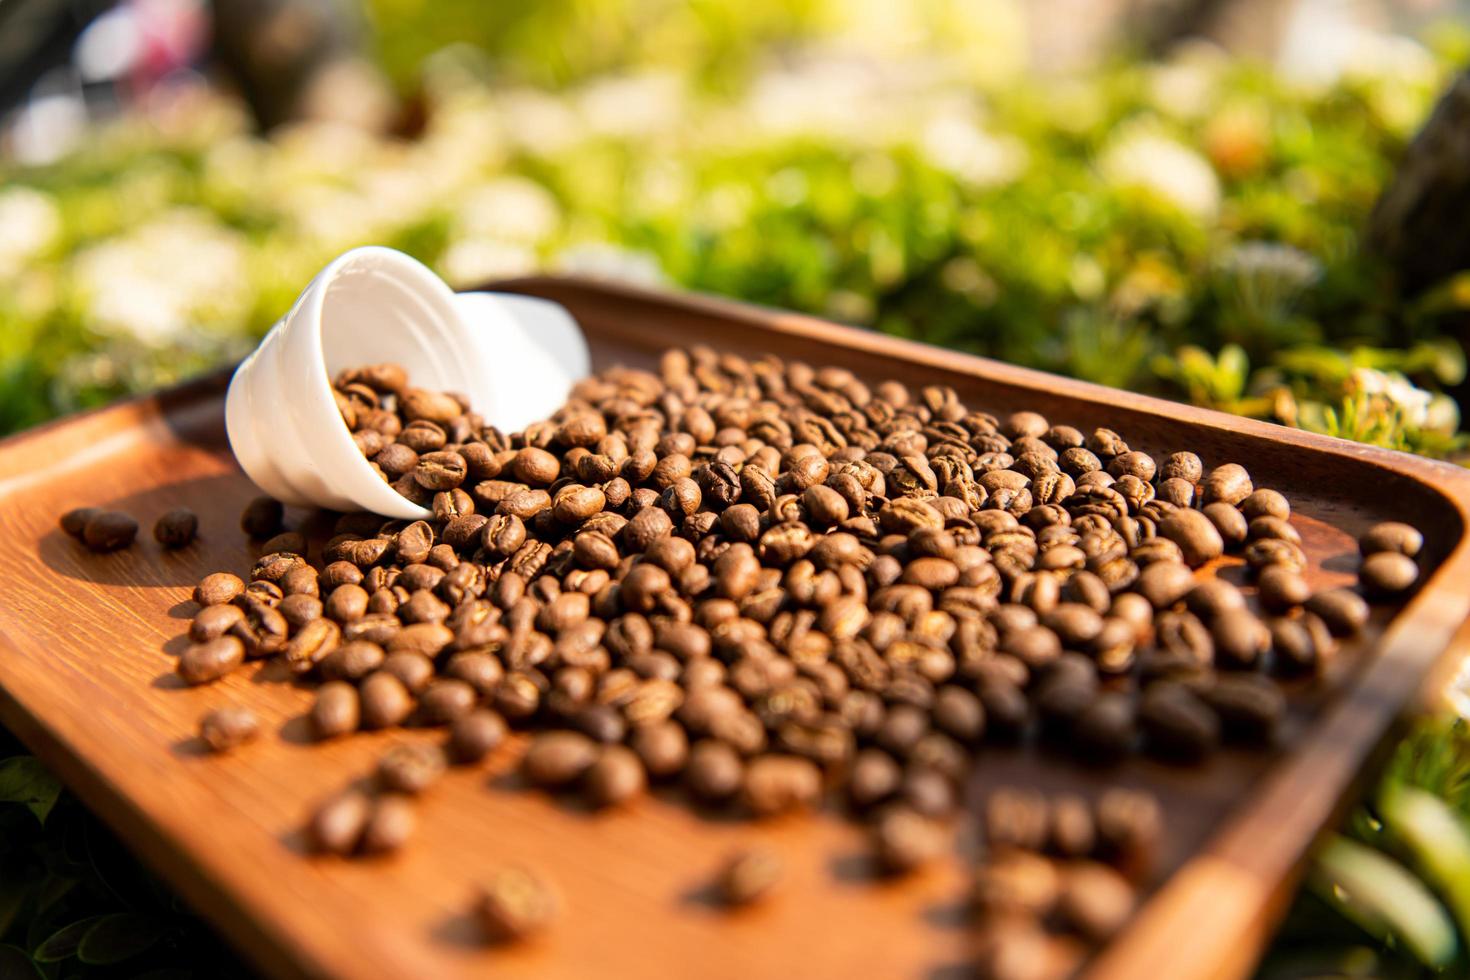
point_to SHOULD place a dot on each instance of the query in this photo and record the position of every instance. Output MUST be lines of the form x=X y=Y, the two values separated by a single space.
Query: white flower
x=1412 y=402
x=29 y=224
x=164 y=278
x=1142 y=159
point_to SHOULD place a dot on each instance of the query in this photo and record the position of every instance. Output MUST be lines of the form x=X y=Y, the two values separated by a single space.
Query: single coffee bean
x=262 y=518
x=109 y=530
x=337 y=825
x=615 y=777
x=558 y=758
x=1385 y=574
x=1176 y=724
x=336 y=711
x=446 y=699
x=1016 y=817
x=389 y=825
x=749 y=877
x=1073 y=829
x=1241 y=640
x=1184 y=466
x=1229 y=521
x=212 y=622
x=1250 y=707
x=905 y=841
x=1265 y=503
x=1104 y=730
x=515 y=904
x=385 y=702
x=715 y=771
x=211 y=660
x=776 y=784
x=474 y=735
x=1343 y=610
x=176 y=528
x=662 y=747
x=1095 y=900
x=1228 y=484
x=1391 y=536
x=1195 y=534
x=410 y=767
x=1016 y=884
x=1281 y=588
x=230 y=727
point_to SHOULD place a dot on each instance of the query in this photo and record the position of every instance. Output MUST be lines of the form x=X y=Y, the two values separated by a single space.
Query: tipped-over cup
x=514 y=357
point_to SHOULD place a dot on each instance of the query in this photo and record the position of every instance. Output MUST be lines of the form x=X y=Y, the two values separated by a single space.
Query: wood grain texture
x=86 y=656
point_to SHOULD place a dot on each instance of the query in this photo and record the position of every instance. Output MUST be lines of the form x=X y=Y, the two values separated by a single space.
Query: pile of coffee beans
x=1058 y=866
x=775 y=585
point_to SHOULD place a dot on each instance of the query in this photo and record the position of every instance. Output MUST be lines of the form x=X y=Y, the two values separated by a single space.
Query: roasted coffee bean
x=1229 y=522
x=385 y=701
x=410 y=767
x=1228 y=484
x=1249 y=706
x=1176 y=724
x=229 y=727
x=1391 y=536
x=176 y=528
x=1016 y=817
x=905 y=841
x=1385 y=574
x=715 y=771
x=337 y=825
x=1281 y=588
x=212 y=622
x=1184 y=466
x=211 y=660
x=475 y=734
x=262 y=518
x=1240 y=639
x=1095 y=900
x=74 y=522
x=446 y=699
x=1343 y=610
x=337 y=710
x=559 y=758
x=389 y=826
x=1104 y=730
x=1015 y=883
x=778 y=783
x=109 y=530
x=1300 y=644
x=749 y=877
x=615 y=777
x=1195 y=534
x=515 y=904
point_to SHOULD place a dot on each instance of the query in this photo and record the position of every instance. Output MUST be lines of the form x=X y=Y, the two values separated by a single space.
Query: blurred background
x=1254 y=205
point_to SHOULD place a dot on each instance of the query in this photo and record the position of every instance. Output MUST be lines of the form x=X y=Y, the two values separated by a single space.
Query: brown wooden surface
x=86 y=656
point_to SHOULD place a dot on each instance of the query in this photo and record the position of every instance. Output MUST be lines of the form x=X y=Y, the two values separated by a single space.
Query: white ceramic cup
x=515 y=357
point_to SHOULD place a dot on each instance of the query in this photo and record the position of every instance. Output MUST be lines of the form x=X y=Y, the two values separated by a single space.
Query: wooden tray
x=86 y=657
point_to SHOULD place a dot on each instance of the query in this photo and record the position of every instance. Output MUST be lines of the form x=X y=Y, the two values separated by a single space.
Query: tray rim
x=1247 y=884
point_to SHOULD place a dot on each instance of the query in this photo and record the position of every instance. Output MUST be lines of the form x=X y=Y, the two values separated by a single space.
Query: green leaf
x=1438 y=841
x=24 y=780
x=16 y=965
x=119 y=937
x=62 y=944
x=1381 y=895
